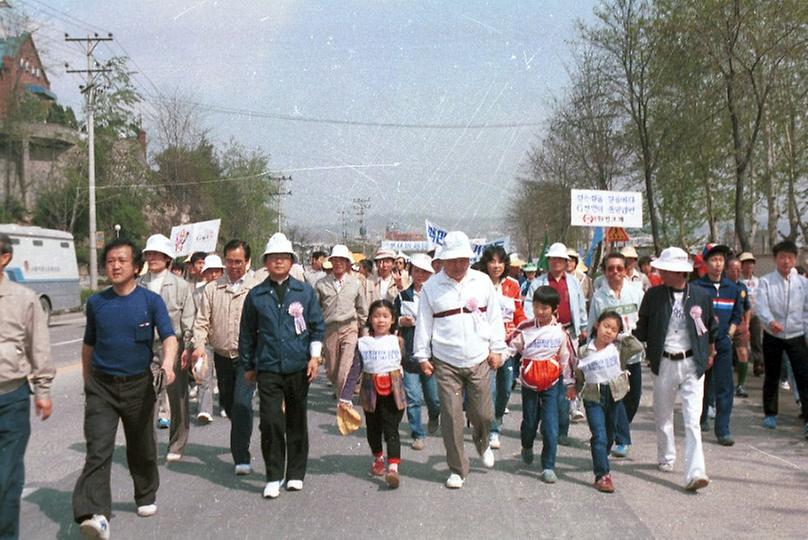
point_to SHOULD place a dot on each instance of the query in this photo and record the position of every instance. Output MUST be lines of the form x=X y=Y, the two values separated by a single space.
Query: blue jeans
x=541 y=406
x=563 y=408
x=15 y=429
x=628 y=406
x=600 y=415
x=720 y=379
x=235 y=397
x=419 y=387
x=501 y=385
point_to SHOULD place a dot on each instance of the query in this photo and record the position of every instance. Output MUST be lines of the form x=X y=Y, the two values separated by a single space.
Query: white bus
x=44 y=260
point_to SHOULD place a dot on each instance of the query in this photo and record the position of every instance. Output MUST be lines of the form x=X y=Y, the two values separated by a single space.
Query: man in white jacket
x=782 y=306
x=460 y=338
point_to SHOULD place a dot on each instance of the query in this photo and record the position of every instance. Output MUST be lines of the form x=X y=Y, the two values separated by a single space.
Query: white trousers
x=679 y=377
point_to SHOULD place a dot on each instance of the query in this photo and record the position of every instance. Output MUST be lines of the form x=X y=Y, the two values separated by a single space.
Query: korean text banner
x=597 y=208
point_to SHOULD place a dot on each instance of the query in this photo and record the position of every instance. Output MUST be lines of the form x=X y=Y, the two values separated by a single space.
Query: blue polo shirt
x=121 y=329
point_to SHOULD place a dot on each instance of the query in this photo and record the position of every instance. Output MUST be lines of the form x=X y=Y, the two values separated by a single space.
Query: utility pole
x=281 y=194
x=90 y=76
x=361 y=207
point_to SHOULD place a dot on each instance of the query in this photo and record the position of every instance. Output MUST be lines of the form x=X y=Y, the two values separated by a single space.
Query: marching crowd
x=397 y=334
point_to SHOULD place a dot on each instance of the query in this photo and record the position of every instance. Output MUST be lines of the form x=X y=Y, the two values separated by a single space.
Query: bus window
x=37 y=242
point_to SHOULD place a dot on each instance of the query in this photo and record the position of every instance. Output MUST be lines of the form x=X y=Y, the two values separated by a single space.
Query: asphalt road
x=757 y=490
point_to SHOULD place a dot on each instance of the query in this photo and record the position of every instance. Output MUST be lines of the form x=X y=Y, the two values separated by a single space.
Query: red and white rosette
x=695 y=314
x=296 y=311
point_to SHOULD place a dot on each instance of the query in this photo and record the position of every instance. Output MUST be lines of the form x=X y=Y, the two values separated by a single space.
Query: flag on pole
x=597 y=238
x=542 y=264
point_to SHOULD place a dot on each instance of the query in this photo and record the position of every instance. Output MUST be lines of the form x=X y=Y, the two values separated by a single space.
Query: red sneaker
x=604 y=484
x=392 y=479
x=377 y=469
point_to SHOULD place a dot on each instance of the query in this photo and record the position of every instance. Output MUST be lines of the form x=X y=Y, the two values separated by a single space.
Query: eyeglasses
x=615 y=268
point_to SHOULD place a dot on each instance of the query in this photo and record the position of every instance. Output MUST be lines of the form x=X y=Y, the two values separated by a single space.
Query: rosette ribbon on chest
x=695 y=314
x=296 y=311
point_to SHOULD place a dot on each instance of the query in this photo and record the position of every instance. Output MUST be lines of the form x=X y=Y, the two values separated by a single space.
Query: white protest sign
x=193 y=237
x=406 y=245
x=597 y=208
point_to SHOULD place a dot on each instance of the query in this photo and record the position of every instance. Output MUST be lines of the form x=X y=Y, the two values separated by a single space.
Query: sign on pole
x=193 y=237
x=598 y=208
x=616 y=234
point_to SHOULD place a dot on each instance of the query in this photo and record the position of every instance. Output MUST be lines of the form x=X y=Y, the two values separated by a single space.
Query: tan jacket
x=374 y=287
x=178 y=297
x=219 y=316
x=24 y=341
x=344 y=306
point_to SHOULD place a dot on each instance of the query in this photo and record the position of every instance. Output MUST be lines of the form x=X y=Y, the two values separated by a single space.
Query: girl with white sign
x=382 y=396
x=602 y=379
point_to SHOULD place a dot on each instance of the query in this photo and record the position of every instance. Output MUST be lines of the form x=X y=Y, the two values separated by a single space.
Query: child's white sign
x=596 y=208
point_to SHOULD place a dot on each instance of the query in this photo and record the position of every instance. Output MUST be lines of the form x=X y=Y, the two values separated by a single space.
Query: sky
x=427 y=109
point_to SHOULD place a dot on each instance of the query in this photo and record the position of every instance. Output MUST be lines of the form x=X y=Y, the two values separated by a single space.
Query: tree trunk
x=773 y=212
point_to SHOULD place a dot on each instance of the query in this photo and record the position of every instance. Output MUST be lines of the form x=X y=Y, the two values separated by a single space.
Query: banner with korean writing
x=410 y=246
x=436 y=234
x=193 y=237
x=598 y=208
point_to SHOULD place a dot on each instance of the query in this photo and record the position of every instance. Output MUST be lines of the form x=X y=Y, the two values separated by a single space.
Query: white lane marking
x=66 y=322
x=66 y=342
x=777 y=458
x=28 y=491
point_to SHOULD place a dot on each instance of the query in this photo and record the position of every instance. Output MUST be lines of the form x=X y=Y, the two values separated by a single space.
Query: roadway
x=757 y=490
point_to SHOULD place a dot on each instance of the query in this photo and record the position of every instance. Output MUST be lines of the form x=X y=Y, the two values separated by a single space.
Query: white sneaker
x=665 y=467
x=294 y=485
x=204 y=418
x=173 y=456
x=711 y=412
x=488 y=457
x=95 y=527
x=243 y=469
x=147 y=510
x=493 y=441
x=223 y=413
x=272 y=489
x=193 y=392
x=455 y=481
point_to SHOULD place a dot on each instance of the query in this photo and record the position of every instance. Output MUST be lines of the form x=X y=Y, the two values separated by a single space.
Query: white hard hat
x=160 y=244
x=278 y=243
x=212 y=261
x=456 y=245
x=422 y=261
x=558 y=250
x=341 y=252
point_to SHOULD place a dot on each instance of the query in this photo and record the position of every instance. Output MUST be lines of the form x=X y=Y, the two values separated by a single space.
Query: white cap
x=673 y=259
x=422 y=261
x=160 y=244
x=342 y=252
x=456 y=245
x=558 y=250
x=212 y=261
x=278 y=243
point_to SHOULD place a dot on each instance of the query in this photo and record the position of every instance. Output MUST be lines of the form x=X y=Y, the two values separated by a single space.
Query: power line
x=346 y=122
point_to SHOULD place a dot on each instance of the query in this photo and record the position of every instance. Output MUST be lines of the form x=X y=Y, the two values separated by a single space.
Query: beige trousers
x=338 y=351
x=452 y=382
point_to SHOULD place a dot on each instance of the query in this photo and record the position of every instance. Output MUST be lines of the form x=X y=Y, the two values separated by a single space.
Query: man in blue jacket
x=280 y=342
x=677 y=324
x=728 y=307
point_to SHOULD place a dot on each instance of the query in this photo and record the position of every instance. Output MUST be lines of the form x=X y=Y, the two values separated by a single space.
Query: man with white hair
x=460 y=337
x=677 y=323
